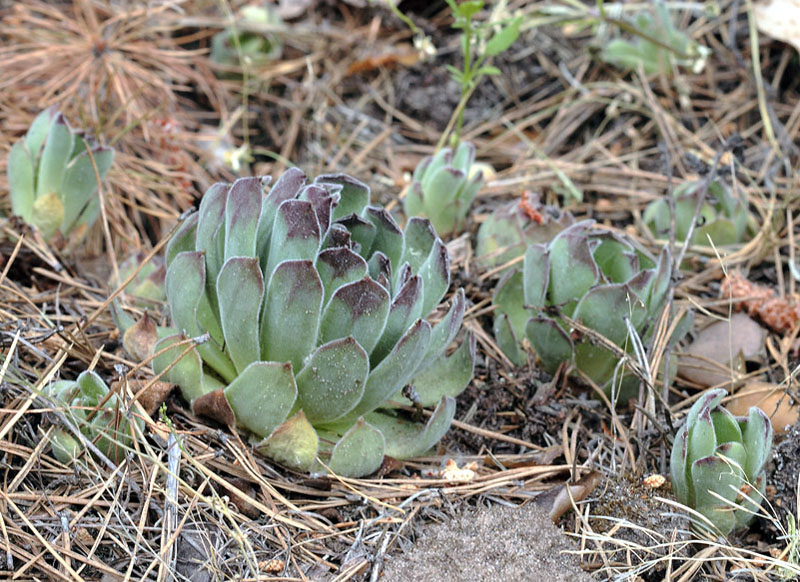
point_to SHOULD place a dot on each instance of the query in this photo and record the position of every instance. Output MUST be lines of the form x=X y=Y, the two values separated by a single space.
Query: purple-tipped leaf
x=339 y=266
x=354 y=194
x=240 y=291
x=359 y=309
x=388 y=236
x=362 y=232
x=436 y=274
x=295 y=234
x=419 y=240
x=182 y=240
x=406 y=308
x=323 y=201
x=242 y=213
x=757 y=438
x=290 y=320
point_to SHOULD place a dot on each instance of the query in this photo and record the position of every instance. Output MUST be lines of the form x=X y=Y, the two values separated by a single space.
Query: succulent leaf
x=294 y=443
x=332 y=383
x=261 y=396
x=293 y=302
x=79 y=186
x=20 y=180
x=405 y=439
x=240 y=288
x=448 y=375
x=360 y=450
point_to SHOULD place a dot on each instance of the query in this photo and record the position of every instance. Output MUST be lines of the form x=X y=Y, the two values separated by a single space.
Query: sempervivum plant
x=723 y=218
x=314 y=305
x=100 y=416
x=511 y=228
x=443 y=188
x=717 y=462
x=52 y=182
x=592 y=276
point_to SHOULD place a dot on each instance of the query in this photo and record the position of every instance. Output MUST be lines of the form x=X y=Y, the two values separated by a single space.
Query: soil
x=490 y=544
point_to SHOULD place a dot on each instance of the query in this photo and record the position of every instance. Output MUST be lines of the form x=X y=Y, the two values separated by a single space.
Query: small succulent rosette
x=148 y=285
x=101 y=417
x=593 y=276
x=723 y=218
x=443 y=188
x=513 y=227
x=717 y=462
x=314 y=305
x=244 y=42
x=52 y=181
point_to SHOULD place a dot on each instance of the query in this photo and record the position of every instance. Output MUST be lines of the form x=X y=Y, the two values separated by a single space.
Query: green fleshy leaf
x=406 y=308
x=55 y=155
x=339 y=266
x=359 y=452
x=294 y=443
x=679 y=467
x=65 y=447
x=448 y=376
x=240 y=289
x=605 y=308
x=80 y=185
x=295 y=234
x=725 y=426
x=262 y=396
x=39 y=129
x=362 y=232
x=187 y=372
x=440 y=198
x=357 y=309
x=242 y=213
x=551 y=342
x=185 y=285
x=332 y=382
x=414 y=203
x=504 y=38
x=445 y=331
x=395 y=371
x=182 y=240
x=286 y=187
x=757 y=438
x=388 y=236
x=536 y=277
x=508 y=298
x=210 y=237
x=572 y=269
x=419 y=240
x=508 y=340
x=436 y=274
x=293 y=302
x=404 y=439
x=712 y=474
x=702 y=439
x=20 y=181
x=354 y=194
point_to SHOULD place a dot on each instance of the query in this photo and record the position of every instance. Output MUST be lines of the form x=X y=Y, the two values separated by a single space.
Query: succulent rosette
x=513 y=227
x=313 y=302
x=100 y=416
x=51 y=179
x=723 y=218
x=444 y=187
x=717 y=462
x=593 y=276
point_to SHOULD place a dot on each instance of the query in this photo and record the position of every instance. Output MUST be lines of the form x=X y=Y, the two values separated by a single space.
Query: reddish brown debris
x=778 y=313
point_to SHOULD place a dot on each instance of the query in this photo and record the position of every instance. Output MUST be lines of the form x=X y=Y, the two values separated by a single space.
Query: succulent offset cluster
x=100 y=416
x=717 y=462
x=723 y=218
x=51 y=178
x=147 y=287
x=511 y=228
x=314 y=305
x=443 y=188
x=592 y=276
